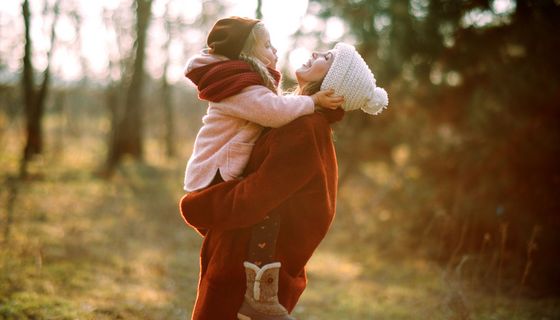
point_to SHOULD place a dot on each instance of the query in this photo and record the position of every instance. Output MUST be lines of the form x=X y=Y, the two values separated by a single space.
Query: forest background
x=448 y=203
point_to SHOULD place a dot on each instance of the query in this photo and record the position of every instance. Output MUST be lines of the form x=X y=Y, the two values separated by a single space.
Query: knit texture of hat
x=228 y=36
x=350 y=76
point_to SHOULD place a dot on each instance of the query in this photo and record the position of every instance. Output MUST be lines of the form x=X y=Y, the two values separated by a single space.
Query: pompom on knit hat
x=228 y=36
x=350 y=76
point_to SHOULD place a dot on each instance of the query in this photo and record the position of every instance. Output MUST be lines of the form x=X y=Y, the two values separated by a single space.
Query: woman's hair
x=309 y=88
x=248 y=55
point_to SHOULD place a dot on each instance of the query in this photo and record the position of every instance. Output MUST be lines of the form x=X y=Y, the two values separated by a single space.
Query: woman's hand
x=327 y=99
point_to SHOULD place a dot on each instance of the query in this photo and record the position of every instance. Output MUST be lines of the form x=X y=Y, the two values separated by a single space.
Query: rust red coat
x=292 y=172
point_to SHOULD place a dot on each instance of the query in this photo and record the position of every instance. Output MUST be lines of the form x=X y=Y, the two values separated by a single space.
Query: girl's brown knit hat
x=228 y=36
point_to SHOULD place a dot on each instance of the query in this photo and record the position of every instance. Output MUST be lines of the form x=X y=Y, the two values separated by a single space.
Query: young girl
x=237 y=76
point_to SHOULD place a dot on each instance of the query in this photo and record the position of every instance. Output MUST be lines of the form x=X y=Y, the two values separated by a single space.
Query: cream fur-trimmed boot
x=261 y=297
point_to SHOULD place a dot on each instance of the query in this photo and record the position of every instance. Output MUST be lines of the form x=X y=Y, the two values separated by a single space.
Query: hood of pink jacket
x=202 y=59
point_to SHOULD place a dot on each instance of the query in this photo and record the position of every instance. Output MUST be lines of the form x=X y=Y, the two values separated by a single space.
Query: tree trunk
x=166 y=94
x=127 y=137
x=112 y=102
x=258 y=11
x=33 y=142
x=34 y=101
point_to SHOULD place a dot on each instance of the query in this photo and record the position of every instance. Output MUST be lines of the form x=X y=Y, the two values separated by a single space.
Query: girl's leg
x=263 y=241
x=261 y=296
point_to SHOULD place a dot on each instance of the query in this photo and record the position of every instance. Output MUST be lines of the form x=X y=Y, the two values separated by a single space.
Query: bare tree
x=119 y=63
x=77 y=19
x=128 y=128
x=34 y=99
x=166 y=88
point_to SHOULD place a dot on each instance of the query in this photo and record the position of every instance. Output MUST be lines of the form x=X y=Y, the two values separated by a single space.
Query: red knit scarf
x=219 y=80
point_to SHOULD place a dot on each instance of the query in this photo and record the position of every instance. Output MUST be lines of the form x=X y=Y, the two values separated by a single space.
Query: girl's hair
x=248 y=55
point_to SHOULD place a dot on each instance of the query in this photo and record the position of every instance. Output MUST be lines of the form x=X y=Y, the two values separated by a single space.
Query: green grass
x=82 y=247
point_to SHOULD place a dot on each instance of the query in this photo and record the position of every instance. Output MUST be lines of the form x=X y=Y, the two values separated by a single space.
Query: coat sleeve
x=293 y=160
x=260 y=105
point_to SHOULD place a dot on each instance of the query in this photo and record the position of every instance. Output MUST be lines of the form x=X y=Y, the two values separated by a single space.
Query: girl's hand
x=327 y=99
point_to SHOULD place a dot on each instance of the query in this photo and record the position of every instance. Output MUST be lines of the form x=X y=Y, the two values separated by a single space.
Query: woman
x=292 y=174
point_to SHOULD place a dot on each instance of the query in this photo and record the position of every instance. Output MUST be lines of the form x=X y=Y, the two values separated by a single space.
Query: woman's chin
x=300 y=73
x=301 y=69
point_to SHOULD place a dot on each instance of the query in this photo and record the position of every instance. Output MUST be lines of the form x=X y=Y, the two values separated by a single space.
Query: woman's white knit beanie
x=351 y=77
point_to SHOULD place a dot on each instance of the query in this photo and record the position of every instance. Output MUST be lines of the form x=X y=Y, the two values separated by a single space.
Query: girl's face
x=264 y=51
x=316 y=68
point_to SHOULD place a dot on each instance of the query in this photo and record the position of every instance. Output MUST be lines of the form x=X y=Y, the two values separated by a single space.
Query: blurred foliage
x=472 y=135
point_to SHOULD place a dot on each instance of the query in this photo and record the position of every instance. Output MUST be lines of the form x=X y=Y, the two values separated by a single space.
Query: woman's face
x=316 y=67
